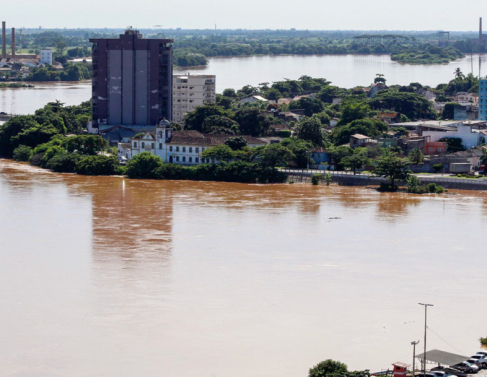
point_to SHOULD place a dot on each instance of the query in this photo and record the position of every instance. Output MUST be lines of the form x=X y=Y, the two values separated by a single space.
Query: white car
x=481 y=360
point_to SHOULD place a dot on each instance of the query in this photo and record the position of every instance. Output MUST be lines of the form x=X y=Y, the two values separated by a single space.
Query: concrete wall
x=115 y=87
x=141 y=87
x=128 y=87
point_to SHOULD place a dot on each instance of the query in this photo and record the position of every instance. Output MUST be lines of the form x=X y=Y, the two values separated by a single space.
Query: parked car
x=481 y=360
x=440 y=373
x=426 y=375
x=475 y=362
x=450 y=371
x=466 y=367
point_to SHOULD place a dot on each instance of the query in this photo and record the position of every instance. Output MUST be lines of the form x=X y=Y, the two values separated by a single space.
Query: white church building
x=179 y=147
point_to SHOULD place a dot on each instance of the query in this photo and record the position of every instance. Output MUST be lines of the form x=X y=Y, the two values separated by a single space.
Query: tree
x=353 y=111
x=236 y=143
x=98 y=165
x=393 y=168
x=252 y=122
x=222 y=125
x=416 y=156
x=143 y=165
x=328 y=368
x=194 y=120
x=218 y=154
x=229 y=93
x=64 y=162
x=328 y=93
x=22 y=153
x=367 y=127
x=300 y=149
x=273 y=94
x=355 y=161
x=309 y=105
x=310 y=129
x=413 y=105
x=438 y=167
x=458 y=73
x=449 y=110
x=86 y=144
x=273 y=155
x=379 y=79
x=61 y=47
x=337 y=154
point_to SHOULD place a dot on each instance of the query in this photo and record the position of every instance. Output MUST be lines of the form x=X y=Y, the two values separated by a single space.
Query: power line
x=429 y=328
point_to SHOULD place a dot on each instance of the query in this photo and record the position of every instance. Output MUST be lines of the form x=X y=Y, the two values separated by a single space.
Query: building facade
x=179 y=147
x=483 y=99
x=46 y=56
x=132 y=81
x=190 y=91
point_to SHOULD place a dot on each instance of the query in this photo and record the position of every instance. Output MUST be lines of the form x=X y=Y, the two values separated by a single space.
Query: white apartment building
x=190 y=91
x=178 y=147
x=46 y=56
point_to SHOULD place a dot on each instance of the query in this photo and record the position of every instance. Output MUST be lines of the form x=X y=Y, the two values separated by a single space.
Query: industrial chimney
x=13 y=43
x=4 y=41
x=480 y=30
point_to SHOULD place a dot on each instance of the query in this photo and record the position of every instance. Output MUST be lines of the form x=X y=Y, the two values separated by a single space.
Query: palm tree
x=458 y=73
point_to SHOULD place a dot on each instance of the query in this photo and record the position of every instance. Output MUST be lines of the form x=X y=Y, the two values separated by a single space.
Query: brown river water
x=107 y=276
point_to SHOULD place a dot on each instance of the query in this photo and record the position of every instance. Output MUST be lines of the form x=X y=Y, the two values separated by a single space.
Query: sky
x=446 y=15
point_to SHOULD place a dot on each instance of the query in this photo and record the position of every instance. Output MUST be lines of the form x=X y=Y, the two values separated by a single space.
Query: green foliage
x=355 y=161
x=64 y=162
x=71 y=72
x=50 y=153
x=483 y=341
x=449 y=110
x=428 y=54
x=139 y=135
x=220 y=125
x=189 y=59
x=310 y=129
x=300 y=148
x=353 y=111
x=98 y=165
x=22 y=153
x=328 y=93
x=316 y=179
x=433 y=188
x=218 y=154
x=416 y=156
x=328 y=179
x=236 y=143
x=454 y=144
x=284 y=133
x=393 y=168
x=194 y=120
x=86 y=144
x=413 y=105
x=235 y=171
x=438 y=167
x=273 y=155
x=143 y=165
x=328 y=368
x=415 y=187
x=252 y=122
x=309 y=105
x=230 y=93
x=337 y=154
x=367 y=127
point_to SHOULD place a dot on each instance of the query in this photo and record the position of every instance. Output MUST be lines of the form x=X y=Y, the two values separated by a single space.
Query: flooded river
x=106 y=276
x=343 y=70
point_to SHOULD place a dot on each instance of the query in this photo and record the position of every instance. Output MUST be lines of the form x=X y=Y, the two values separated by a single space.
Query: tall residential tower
x=132 y=81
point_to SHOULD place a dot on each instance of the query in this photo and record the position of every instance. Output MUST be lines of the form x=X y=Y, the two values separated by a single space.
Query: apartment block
x=190 y=91
x=132 y=81
x=483 y=99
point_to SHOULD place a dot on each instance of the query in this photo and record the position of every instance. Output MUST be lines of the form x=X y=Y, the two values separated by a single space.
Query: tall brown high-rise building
x=132 y=80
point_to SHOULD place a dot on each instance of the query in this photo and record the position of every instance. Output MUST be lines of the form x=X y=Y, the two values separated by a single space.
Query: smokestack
x=13 y=43
x=480 y=30
x=4 y=41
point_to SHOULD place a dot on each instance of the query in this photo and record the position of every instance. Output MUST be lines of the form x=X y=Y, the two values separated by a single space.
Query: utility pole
x=425 y=327
x=414 y=353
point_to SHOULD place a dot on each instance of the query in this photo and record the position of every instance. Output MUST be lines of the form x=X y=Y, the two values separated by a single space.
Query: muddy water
x=117 y=277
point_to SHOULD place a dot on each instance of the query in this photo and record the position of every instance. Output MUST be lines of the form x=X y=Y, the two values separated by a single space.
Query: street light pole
x=414 y=353
x=425 y=327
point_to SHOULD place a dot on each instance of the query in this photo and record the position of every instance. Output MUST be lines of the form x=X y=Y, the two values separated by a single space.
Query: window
x=431 y=149
x=190 y=149
x=143 y=145
x=152 y=146
x=177 y=149
x=170 y=148
x=196 y=159
x=439 y=149
x=135 y=144
x=184 y=149
x=160 y=145
x=191 y=159
x=184 y=159
x=197 y=150
x=177 y=158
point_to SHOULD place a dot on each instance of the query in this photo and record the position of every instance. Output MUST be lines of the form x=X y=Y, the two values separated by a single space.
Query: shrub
x=98 y=165
x=22 y=153
x=284 y=133
x=316 y=178
x=50 y=153
x=483 y=341
x=64 y=162
x=143 y=165
x=328 y=179
x=438 y=167
x=435 y=189
x=328 y=368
